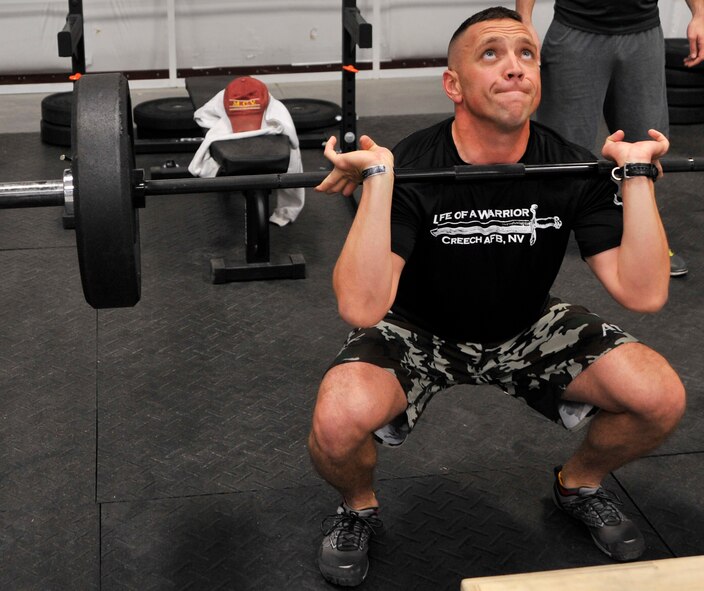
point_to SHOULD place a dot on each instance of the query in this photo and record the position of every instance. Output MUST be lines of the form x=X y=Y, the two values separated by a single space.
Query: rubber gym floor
x=164 y=446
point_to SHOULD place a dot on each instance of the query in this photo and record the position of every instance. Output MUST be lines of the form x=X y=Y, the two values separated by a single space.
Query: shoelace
x=602 y=504
x=353 y=530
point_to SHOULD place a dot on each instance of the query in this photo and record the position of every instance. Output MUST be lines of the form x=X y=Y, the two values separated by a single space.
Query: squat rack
x=356 y=31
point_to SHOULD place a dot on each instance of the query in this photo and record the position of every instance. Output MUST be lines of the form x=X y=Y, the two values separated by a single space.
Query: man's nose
x=514 y=68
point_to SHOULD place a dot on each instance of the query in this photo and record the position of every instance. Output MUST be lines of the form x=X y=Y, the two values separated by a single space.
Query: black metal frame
x=355 y=31
x=70 y=38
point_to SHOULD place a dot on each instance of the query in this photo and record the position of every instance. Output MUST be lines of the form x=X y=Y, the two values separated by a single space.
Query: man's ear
x=452 y=86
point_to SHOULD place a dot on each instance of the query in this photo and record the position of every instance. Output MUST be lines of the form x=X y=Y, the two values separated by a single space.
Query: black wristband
x=632 y=169
x=373 y=170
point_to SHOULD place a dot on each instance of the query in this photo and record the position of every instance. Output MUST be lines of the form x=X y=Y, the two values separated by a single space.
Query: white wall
x=134 y=34
x=28 y=41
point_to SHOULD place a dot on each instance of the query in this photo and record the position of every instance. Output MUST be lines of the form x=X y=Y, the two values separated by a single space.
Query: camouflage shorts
x=535 y=366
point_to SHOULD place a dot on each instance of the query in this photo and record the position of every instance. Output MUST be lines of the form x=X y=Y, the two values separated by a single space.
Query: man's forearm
x=643 y=269
x=525 y=9
x=696 y=7
x=363 y=275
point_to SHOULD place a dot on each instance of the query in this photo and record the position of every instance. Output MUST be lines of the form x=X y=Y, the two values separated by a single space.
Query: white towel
x=276 y=121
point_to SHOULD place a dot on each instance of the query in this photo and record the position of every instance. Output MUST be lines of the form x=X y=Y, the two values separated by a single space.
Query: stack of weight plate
x=56 y=119
x=685 y=86
x=315 y=120
x=166 y=118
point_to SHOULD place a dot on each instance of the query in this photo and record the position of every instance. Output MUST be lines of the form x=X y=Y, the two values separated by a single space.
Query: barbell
x=107 y=189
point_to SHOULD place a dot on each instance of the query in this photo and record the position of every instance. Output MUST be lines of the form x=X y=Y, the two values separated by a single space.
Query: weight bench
x=264 y=154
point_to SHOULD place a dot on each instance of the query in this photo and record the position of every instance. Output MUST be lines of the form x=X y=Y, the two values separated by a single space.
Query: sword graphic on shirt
x=487 y=224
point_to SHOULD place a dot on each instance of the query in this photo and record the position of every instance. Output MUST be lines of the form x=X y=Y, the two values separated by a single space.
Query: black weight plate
x=686 y=115
x=312 y=113
x=675 y=52
x=56 y=108
x=107 y=226
x=685 y=97
x=55 y=135
x=684 y=77
x=171 y=113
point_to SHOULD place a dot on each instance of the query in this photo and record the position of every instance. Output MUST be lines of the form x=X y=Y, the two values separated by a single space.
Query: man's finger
x=329 y=150
x=696 y=51
x=616 y=136
x=328 y=183
x=366 y=143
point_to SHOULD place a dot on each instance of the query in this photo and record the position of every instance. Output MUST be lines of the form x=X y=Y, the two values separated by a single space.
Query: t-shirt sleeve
x=404 y=220
x=599 y=221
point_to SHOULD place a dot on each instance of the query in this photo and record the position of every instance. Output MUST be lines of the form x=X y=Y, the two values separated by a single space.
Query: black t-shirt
x=608 y=17
x=482 y=256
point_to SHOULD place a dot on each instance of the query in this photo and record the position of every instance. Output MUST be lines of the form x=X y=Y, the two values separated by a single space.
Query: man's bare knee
x=633 y=379
x=668 y=406
x=354 y=400
x=659 y=393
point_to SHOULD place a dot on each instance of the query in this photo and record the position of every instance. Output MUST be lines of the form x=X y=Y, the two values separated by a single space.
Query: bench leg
x=258 y=264
x=257 y=225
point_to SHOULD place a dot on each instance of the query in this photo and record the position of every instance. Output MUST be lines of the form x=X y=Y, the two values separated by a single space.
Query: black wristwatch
x=631 y=169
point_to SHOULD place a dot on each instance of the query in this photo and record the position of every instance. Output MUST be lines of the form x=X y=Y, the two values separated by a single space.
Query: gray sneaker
x=678 y=267
x=613 y=533
x=342 y=557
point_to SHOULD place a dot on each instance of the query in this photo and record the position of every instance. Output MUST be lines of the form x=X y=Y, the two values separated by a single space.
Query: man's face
x=493 y=70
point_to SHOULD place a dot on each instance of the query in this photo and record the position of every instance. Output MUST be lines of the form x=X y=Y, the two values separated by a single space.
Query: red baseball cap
x=245 y=101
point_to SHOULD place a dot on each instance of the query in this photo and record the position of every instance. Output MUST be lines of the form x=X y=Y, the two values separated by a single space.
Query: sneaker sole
x=350 y=577
x=351 y=580
x=622 y=557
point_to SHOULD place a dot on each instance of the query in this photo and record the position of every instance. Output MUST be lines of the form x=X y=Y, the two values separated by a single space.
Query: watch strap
x=633 y=169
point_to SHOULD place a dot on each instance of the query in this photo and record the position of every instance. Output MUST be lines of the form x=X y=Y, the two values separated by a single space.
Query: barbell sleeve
x=31 y=194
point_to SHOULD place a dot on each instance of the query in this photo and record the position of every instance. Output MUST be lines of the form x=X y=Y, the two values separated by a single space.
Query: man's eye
x=527 y=54
x=490 y=54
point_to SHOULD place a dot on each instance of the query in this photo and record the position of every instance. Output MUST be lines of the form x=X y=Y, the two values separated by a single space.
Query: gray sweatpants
x=586 y=75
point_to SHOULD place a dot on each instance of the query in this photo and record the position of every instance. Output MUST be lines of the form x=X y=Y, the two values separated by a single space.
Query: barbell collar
x=68 y=187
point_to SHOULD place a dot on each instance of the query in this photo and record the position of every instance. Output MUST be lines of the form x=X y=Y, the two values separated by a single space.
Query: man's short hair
x=488 y=14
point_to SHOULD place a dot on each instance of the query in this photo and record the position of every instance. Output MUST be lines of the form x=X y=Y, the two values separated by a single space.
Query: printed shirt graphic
x=486 y=226
x=481 y=256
